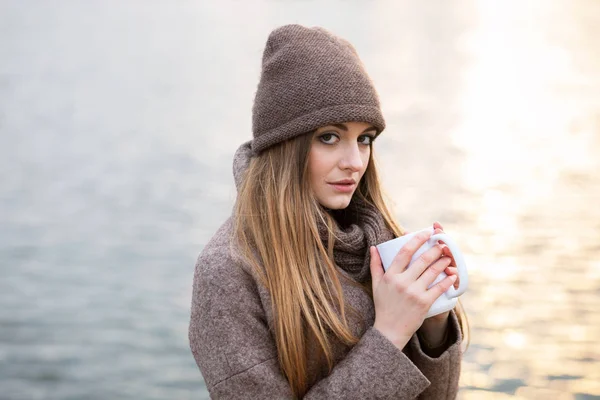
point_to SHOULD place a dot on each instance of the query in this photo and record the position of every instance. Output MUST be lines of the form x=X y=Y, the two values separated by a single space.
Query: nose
x=351 y=159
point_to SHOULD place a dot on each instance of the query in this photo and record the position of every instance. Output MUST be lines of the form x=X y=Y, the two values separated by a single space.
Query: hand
x=401 y=295
x=434 y=328
x=451 y=269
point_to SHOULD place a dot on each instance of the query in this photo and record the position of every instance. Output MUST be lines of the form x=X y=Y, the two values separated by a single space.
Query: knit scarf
x=359 y=226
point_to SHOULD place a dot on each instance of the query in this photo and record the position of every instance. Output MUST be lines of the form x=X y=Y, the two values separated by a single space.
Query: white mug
x=447 y=301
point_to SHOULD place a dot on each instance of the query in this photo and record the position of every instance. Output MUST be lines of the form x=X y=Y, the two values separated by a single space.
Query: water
x=118 y=121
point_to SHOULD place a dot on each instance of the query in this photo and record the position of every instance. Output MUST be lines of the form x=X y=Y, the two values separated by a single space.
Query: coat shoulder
x=219 y=261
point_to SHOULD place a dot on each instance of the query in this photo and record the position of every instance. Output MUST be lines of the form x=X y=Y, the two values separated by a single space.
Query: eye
x=328 y=138
x=366 y=139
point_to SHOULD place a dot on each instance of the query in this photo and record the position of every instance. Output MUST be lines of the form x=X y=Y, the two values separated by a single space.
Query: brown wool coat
x=231 y=338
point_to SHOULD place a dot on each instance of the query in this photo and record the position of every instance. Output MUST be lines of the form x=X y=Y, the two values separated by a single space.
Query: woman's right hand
x=401 y=295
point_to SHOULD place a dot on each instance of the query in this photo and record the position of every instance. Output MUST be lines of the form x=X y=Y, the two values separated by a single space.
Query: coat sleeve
x=444 y=371
x=236 y=353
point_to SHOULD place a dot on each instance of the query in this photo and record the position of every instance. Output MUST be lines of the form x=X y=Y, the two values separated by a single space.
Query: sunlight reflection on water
x=530 y=136
x=525 y=208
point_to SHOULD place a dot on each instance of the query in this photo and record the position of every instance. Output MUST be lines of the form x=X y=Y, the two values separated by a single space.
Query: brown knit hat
x=310 y=78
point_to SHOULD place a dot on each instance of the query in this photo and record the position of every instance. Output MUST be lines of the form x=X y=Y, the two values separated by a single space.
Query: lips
x=344 y=182
x=344 y=185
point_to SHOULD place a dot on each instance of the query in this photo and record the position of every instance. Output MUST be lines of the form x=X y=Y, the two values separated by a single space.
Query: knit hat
x=310 y=78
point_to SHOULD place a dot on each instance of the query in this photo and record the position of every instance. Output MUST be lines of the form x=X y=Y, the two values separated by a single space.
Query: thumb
x=376 y=267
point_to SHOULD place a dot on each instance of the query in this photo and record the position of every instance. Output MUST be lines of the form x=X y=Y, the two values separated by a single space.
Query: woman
x=290 y=298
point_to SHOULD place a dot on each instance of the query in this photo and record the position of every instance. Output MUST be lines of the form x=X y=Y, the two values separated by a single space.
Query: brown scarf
x=359 y=226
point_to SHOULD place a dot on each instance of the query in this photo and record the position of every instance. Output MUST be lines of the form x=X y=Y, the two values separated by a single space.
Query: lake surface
x=119 y=120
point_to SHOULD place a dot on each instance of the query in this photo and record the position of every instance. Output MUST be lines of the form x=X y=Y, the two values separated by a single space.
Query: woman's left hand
x=434 y=328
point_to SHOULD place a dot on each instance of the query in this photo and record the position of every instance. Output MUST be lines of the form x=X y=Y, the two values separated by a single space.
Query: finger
x=440 y=288
x=402 y=259
x=453 y=271
x=437 y=225
x=446 y=252
x=431 y=273
x=425 y=260
x=377 y=270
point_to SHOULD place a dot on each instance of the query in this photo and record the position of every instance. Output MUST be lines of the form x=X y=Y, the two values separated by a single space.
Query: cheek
x=315 y=169
x=365 y=160
x=317 y=164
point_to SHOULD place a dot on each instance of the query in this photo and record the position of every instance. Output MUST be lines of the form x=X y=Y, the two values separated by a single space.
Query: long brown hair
x=276 y=231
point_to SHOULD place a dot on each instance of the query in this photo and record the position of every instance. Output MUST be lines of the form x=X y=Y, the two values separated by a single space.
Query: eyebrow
x=345 y=128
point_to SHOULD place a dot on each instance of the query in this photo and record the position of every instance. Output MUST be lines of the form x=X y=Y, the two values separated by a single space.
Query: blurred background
x=119 y=120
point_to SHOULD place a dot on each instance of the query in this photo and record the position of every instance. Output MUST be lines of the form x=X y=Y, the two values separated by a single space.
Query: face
x=338 y=158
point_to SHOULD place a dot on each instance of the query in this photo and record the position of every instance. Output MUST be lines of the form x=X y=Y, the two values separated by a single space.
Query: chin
x=337 y=203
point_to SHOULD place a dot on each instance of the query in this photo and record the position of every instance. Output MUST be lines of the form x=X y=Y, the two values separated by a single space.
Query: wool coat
x=232 y=339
